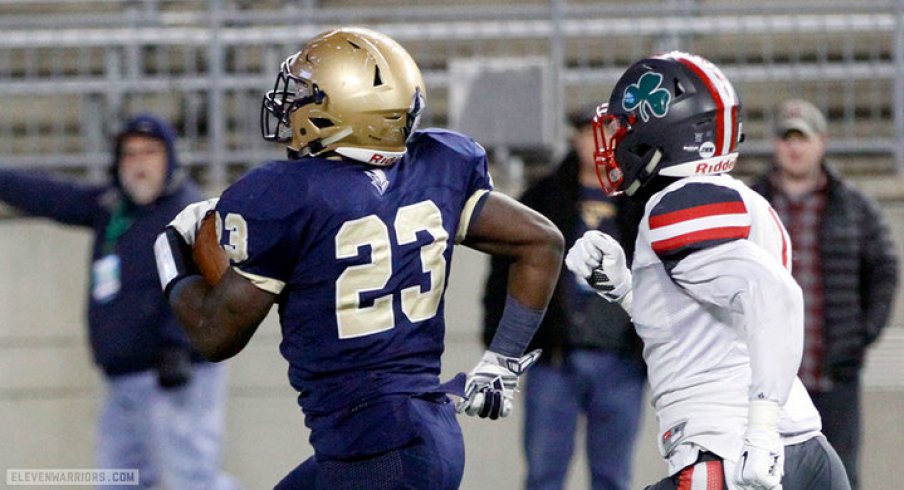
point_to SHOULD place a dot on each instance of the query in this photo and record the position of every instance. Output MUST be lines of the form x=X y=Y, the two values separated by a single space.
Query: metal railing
x=68 y=78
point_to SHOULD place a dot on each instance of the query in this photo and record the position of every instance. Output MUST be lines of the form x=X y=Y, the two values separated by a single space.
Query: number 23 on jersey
x=353 y=319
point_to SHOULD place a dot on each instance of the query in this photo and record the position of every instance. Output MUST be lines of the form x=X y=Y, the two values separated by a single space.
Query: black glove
x=173 y=366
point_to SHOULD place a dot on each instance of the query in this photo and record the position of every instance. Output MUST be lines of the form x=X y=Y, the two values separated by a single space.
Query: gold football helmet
x=351 y=91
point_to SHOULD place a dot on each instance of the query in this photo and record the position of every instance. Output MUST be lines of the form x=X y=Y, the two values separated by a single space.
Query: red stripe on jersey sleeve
x=720 y=233
x=703 y=211
x=778 y=225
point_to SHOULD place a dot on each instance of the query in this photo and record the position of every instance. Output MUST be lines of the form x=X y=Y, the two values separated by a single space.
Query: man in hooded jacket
x=163 y=413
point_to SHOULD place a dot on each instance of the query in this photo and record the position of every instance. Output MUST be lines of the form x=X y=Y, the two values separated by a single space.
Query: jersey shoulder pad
x=444 y=140
x=270 y=191
x=696 y=216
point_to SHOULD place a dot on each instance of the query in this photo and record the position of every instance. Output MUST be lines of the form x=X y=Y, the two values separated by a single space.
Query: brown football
x=207 y=252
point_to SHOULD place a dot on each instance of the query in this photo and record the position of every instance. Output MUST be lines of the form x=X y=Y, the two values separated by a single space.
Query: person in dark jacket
x=163 y=413
x=845 y=263
x=591 y=361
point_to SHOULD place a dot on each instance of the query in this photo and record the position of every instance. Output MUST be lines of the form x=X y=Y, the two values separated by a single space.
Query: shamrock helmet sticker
x=648 y=95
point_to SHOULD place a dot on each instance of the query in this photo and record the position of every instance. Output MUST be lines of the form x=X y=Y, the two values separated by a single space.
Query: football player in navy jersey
x=352 y=237
x=710 y=289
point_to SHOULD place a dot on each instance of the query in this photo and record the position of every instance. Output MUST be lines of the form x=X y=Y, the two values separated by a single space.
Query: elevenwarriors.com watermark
x=95 y=477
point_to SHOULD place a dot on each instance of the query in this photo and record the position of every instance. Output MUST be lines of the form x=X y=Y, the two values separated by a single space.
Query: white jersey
x=720 y=316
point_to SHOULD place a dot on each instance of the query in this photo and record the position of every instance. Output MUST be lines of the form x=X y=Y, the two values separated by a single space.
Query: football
x=207 y=253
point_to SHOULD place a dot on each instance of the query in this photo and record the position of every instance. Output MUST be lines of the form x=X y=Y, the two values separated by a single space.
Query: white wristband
x=763 y=414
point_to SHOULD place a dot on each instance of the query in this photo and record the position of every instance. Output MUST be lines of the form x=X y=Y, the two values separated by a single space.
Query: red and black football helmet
x=674 y=115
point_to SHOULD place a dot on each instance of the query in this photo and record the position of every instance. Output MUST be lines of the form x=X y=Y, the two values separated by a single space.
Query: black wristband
x=516 y=328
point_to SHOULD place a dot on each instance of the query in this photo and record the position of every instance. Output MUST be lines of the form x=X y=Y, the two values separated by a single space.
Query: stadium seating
x=70 y=70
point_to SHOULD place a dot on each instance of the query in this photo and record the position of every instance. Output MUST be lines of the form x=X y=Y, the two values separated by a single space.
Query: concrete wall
x=49 y=390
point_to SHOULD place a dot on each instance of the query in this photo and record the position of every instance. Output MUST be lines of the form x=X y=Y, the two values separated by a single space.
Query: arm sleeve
x=480 y=183
x=742 y=282
x=261 y=236
x=40 y=195
x=494 y=295
x=263 y=257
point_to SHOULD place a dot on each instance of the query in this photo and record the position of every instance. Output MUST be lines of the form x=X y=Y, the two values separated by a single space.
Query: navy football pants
x=433 y=461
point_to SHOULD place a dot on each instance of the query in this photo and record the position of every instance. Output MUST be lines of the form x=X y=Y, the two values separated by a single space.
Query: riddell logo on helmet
x=711 y=168
x=383 y=160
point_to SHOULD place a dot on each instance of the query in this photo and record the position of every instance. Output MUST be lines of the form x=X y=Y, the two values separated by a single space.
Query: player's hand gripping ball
x=207 y=253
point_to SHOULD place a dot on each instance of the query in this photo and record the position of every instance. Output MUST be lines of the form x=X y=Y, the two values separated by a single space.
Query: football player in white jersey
x=710 y=289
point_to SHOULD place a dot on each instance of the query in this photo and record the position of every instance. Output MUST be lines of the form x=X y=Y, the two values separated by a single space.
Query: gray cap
x=799 y=115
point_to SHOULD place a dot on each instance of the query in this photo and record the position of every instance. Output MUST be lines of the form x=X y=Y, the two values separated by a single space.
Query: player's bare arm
x=221 y=319
x=219 y=315
x=508 y=228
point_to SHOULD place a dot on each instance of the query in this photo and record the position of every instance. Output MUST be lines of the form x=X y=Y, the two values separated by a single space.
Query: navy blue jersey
x=359 y=256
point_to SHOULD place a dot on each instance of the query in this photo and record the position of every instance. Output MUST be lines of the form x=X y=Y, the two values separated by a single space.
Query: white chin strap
x=370 y=156
x=651 y=166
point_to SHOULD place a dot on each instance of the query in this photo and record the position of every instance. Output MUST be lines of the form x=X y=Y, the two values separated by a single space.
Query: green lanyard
x=119 y=223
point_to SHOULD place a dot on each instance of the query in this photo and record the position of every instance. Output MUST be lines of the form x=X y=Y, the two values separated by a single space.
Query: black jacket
x=859 y=273
x=603 y=325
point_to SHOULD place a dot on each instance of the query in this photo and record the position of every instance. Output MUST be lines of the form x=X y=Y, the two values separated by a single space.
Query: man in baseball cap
x=801 y=116
x=799 y=145
x=844 y=261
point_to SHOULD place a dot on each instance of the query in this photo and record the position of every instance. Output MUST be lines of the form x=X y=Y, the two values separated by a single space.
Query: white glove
x=173 y=247
x=492 y=384
x=600 y=260
x=187 y=222
x=762 y=461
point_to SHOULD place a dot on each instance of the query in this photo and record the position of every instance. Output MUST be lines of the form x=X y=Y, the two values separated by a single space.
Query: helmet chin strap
x=317 y=146
x=648 y=169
